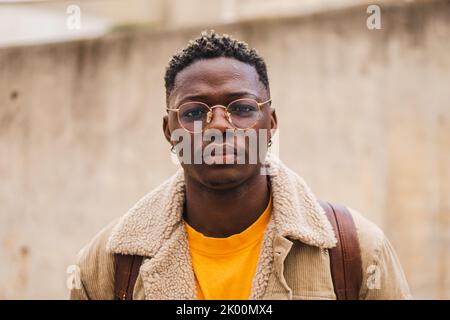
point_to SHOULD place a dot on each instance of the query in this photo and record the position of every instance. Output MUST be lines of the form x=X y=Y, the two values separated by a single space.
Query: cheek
x=173 y=122
x=265 y=121
x=268 y=117
x=175 y=130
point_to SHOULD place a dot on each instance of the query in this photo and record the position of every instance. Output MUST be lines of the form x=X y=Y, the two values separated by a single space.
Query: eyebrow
x=201 y=97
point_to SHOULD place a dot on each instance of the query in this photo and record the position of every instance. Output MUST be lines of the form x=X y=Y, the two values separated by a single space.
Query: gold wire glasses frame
x=242 y=114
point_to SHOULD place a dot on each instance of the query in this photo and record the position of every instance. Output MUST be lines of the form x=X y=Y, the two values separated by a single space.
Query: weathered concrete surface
x=364 y=117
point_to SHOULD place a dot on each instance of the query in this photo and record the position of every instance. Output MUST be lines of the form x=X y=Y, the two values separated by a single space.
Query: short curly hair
x=213 y=45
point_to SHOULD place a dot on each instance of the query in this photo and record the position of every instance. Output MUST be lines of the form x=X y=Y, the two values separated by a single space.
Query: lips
x=219 y=154
x=215 y=149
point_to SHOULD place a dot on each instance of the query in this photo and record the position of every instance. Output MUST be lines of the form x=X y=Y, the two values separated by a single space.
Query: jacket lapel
x=169 y=274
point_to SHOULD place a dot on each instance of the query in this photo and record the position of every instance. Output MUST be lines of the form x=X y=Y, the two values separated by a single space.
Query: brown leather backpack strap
x=345 y=258
x=126 y=272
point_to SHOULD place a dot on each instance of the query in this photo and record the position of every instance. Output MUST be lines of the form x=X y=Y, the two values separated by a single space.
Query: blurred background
x=364 y=118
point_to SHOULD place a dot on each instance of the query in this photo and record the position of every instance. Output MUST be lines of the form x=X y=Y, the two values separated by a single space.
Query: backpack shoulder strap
x=345 y=258
x=126 y=271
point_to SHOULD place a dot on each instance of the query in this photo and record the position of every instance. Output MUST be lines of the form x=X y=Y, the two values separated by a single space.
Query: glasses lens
x=244 y=113
x=192 y=116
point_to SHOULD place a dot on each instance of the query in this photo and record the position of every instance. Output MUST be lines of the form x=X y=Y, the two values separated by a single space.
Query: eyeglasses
x=243 y=114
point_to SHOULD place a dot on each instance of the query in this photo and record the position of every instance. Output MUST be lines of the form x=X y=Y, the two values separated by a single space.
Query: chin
x=220 y=177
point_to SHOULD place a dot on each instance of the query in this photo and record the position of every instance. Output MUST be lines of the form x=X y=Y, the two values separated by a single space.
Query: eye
x=242 y=108
x=193 y=112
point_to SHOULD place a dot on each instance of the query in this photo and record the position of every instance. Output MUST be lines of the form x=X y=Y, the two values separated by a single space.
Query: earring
x=270 y=143
x=172 y=149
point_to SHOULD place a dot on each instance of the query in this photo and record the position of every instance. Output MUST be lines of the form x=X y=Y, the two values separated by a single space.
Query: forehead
x=215 y=77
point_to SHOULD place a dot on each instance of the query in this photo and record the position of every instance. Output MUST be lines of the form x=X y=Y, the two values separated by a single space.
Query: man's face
x=219 y=81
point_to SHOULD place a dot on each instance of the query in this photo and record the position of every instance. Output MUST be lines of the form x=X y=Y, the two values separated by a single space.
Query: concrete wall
x=364 y=117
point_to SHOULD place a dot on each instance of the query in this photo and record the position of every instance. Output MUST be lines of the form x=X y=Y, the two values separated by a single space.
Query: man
x=220 y=228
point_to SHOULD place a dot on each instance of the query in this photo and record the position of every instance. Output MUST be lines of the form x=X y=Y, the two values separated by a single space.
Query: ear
x=273 y=121
x=166 y=128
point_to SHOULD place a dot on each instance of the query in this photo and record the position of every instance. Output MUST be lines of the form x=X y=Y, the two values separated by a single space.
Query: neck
x=222 y=213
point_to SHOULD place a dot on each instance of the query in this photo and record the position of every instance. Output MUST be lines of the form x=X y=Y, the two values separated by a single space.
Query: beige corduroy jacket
x=293 y=263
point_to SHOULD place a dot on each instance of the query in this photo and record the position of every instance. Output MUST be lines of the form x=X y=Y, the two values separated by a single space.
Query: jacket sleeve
x=383 y=276
x=78 y=293
x=96 y=270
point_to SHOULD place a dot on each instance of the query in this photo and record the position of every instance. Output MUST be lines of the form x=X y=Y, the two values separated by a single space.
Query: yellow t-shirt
x=224 y=267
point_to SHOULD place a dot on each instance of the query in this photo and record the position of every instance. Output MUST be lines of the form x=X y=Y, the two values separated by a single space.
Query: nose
x=219 y=119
